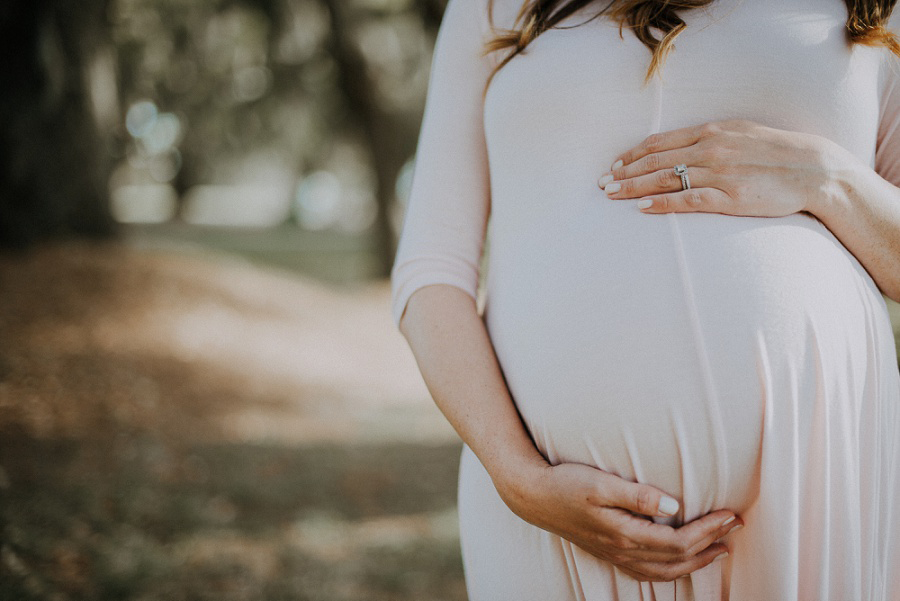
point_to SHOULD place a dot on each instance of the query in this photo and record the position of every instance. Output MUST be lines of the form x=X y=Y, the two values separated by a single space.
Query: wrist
x=517 y=477
x=834 y=194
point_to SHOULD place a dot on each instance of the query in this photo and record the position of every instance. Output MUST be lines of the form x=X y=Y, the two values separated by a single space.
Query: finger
x=659 y=142
x=658 y=182
x=637 y=538
x=704 y=531
x=668 y=571
x=709 y=537
x=705 y=200
x=683 y=542
x=638 y=498
x=655 y=161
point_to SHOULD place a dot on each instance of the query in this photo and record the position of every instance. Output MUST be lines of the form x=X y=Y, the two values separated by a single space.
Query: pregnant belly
x=649 y=346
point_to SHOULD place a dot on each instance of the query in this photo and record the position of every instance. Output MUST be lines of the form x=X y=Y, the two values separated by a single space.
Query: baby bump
x=653 y=355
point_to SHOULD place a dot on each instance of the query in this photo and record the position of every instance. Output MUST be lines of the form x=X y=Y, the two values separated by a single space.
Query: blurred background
x=202 y=393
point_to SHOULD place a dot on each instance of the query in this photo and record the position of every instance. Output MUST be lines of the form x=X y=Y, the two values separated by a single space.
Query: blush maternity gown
x=733 y=362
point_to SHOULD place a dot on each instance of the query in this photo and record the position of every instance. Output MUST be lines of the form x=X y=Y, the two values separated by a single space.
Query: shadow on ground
x=188 y=428
x=129 y=518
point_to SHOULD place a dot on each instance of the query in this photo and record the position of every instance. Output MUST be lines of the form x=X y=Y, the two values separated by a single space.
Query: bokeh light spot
x=140 y=118
x=251 y=83
x=163 y=134
x=318 y=200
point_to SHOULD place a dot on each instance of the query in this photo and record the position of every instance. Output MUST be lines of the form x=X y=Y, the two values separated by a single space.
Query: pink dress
x=734 y=362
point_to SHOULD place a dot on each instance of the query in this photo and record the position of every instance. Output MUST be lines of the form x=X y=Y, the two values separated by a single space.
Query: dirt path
x=181 y=426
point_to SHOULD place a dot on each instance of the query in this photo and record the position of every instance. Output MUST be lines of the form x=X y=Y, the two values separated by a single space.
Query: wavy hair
x=866 y=24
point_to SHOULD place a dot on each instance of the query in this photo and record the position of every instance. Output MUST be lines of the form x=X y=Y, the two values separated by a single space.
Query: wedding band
x=682 y=172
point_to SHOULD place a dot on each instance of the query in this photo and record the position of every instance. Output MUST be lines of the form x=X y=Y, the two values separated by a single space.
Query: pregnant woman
x=683 y=383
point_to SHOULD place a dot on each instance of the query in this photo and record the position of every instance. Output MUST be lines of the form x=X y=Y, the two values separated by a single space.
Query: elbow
x=403 y=325
x=412 y=309
x=432 y=282
x=890 y=287
x=432 y=303
x=892 y=293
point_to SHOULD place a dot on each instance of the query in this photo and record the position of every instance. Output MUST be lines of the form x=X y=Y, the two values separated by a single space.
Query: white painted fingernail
x=722 y=556
x=613 y=187
x=736 y=528
x=645 y=203
x=668 y=506
x=605 y=180
x=617 y=164
x=728 y=521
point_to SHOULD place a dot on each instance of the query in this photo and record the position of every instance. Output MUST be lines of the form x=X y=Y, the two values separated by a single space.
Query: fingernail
x=605 y=180
x=617 y=164
x=722 y=556
x=668 y=506
x=645 y=203
x=728 y=521
x=736 y=528
x=613 y=187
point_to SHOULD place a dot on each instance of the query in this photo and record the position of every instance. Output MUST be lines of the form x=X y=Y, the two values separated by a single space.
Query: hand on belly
x=601 y=513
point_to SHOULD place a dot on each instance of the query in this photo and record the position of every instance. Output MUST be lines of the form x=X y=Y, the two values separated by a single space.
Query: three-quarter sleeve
x=449 y=202
x=887 y=148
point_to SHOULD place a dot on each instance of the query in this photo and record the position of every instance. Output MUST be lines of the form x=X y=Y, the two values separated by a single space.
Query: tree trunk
x=379 y=129
x=58 y=115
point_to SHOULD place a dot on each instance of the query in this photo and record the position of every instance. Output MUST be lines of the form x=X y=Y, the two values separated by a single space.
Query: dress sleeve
x=887 y=148
x=449 y=202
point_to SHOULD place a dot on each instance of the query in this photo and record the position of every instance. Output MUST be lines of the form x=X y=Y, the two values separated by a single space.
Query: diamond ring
x=682 y=172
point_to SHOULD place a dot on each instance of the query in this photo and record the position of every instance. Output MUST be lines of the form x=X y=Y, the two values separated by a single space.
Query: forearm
x=577 y=502
x=863 y=211
x=460 y=368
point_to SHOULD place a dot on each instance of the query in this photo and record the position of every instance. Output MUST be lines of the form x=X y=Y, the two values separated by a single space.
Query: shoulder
x=890 y=62
x=493 y=18
x=501 y=14
x=894 y=21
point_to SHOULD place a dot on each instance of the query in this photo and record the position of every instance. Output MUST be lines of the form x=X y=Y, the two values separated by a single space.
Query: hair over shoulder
x=866 y=24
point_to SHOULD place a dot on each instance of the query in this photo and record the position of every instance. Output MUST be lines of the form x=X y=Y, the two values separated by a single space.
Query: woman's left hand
x=735 y=168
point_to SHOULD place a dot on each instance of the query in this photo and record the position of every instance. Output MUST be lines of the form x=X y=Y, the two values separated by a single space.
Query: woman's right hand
x=591 y=508
x=597 y=510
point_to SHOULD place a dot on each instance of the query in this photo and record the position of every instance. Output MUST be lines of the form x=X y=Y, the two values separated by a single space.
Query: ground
x=185 y=425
